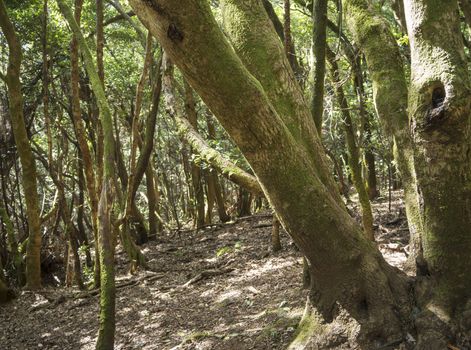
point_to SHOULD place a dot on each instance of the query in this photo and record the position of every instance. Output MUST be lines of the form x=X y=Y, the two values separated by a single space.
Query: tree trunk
x=354 y=161
x=105 y=339
x=275 y=234
x=196 y=178
x=373 y=191
x=439 y=104
x=319 y=37
x=153 y=204
x=80 y=134
x=28 y=164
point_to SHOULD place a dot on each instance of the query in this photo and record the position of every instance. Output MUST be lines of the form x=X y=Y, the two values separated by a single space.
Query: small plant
x=223 y=250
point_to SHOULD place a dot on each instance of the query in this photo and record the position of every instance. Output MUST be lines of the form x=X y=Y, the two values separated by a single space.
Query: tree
x=106 y=249
x=28 y=164
x=285 y=154
x=439 y=108
x=251 y=89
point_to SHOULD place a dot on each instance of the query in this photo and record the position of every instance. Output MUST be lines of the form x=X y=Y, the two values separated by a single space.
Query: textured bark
x=347 y=268
x=288 y=42
x=390 y=97
x=153 y=201
x=98 y=133
x=275 y=235
x=465 y=6
x=319 y=37
x=440 y=111
x=28 y=164
x=214 y=179
x=196 y=173
x=81 y=136
x=263 y=55
x=372 y=186
x=105 y=339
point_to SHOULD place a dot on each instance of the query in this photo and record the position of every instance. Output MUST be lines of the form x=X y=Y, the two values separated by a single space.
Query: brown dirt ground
x=255 y=301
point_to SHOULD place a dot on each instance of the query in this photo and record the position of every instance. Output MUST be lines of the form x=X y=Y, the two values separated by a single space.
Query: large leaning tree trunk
x=439 y=103
x=267 y=116
x=28 y=164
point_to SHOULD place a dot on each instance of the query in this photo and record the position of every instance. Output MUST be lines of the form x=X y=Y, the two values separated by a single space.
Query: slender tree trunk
x=105 y=339
x=196 y=178
x=28 y=164
x=275 y=235
x=210 y=198
x=213 y=178
x=371 y=182
x=82 y=141
x=354 y=161
x=319 y=37
x=82 y=234
x=100 y=45
x=153 y=204
x=288 y=44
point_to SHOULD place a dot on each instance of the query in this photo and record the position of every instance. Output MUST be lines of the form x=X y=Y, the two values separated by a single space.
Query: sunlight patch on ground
x=269 y=266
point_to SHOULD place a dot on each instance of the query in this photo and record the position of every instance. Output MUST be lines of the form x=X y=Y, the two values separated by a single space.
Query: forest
x=235 y=174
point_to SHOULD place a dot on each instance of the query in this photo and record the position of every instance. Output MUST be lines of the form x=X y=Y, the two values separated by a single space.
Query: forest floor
x=218 y=288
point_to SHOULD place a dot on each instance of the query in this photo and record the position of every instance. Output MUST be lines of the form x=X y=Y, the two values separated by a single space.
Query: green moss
x=308 y=326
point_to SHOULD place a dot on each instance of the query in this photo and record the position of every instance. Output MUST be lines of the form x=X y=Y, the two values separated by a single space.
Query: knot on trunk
x=436 y=112
x=174 y=33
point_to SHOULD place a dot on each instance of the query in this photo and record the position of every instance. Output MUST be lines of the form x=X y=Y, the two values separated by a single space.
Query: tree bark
x=105 y=339
x=213 y=177
x=319 y=37
x=439 y=107
x=80 y=134
x=28 y=164
x=196 y=176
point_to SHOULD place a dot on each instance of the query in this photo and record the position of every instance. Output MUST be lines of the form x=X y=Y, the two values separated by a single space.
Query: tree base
x=431 y=330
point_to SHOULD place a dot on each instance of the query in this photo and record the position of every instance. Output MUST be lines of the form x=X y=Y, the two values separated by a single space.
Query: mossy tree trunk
x=439 y=106
x=106 y=332
x=81 y=137
x=354 y=159
x=319 y=37
x=270 y=121
x=28 y=164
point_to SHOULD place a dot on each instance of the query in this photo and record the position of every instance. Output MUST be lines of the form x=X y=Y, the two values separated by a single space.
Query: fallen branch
x=206 y=274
